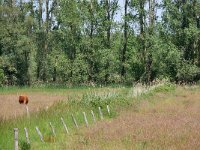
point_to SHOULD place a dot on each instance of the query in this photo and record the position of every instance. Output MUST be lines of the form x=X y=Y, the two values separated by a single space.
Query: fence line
x=65 y=126
x=85 y=118
x=100 y=113
x=16 y=143
x=74 y=120
x=93 y=116
x=40 y=134
x=27 y=112
x=52 y=128
x=26 y=133
x=108 y=109
x=16 y=139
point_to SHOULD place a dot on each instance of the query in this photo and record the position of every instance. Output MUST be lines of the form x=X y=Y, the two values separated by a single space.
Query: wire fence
x=62 y=123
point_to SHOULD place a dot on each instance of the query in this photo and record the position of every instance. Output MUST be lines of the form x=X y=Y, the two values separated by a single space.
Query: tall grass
x=90 y=100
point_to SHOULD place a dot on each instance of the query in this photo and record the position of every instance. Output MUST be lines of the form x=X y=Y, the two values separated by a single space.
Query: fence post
x=85 y=118
x=27 y=112
x=39 y=133
x=65 y=126
x=52 y=128
x=100 y=113
x=108 y=109
x=15 y=115
x=93 y=116
x=26 y=133
x=74 y=121
x=16 y=147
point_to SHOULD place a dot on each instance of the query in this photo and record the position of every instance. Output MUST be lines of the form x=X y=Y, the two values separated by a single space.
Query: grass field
x=166 y=117
x=41 y=98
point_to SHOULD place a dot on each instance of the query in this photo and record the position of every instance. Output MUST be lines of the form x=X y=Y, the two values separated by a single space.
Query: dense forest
x=82 y=42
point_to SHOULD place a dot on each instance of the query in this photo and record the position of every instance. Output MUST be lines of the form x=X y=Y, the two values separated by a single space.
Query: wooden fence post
x=52 y=128
x=15 y=114
x=26 y=133
x=108 y=109
x=40 y=134
x=27 y=112
x=74 y=120
x=85 y=118
x=100 y=113
x=93 y=116
x=65 y=126
x=16 y=147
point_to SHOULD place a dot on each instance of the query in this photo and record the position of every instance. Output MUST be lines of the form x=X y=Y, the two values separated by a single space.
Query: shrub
x=188 y=72
x=24 y=145
x=2 y=77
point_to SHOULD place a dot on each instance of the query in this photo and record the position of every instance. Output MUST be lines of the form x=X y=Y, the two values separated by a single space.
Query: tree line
x=82 y=42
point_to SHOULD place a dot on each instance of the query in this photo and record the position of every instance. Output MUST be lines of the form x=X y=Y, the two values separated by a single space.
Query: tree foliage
x=84 y=42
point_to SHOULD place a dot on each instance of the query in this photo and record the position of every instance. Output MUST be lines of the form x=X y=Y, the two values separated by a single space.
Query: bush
x=2 y=77
x=24 y=145
x=188 y=72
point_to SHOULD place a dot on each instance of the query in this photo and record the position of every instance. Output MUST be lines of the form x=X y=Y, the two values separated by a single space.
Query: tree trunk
x=32 y=15
x=40 y=44
x=108 y=37
x=148 y=64
x=13 y=3
x=142 y=33
x=151 y=16
x=109 y=24
x=40 y=15
x=47 y=16
x=91 y=63
x=46 y=46
x=55 y=70
x=197 y=16
x=32 y=9
x=124 y=49
x=141 y=17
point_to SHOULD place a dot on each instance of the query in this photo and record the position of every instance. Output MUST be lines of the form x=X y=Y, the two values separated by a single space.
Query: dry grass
x=168 y=121
x=163 y=121
x=10 y=106
x=44 y=98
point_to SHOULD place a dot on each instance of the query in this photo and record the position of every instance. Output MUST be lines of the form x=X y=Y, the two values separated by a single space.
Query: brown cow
x=23 y=99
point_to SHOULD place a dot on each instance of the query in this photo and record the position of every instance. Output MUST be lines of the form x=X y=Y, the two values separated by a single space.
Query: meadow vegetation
x=163 y=116
x=64 y=54
x=77 y=101
x=119 y=99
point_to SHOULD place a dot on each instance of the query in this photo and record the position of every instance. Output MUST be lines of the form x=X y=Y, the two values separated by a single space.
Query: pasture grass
x=167 y=119
x=59 y=88
x=90 y=99
x=18 y=89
